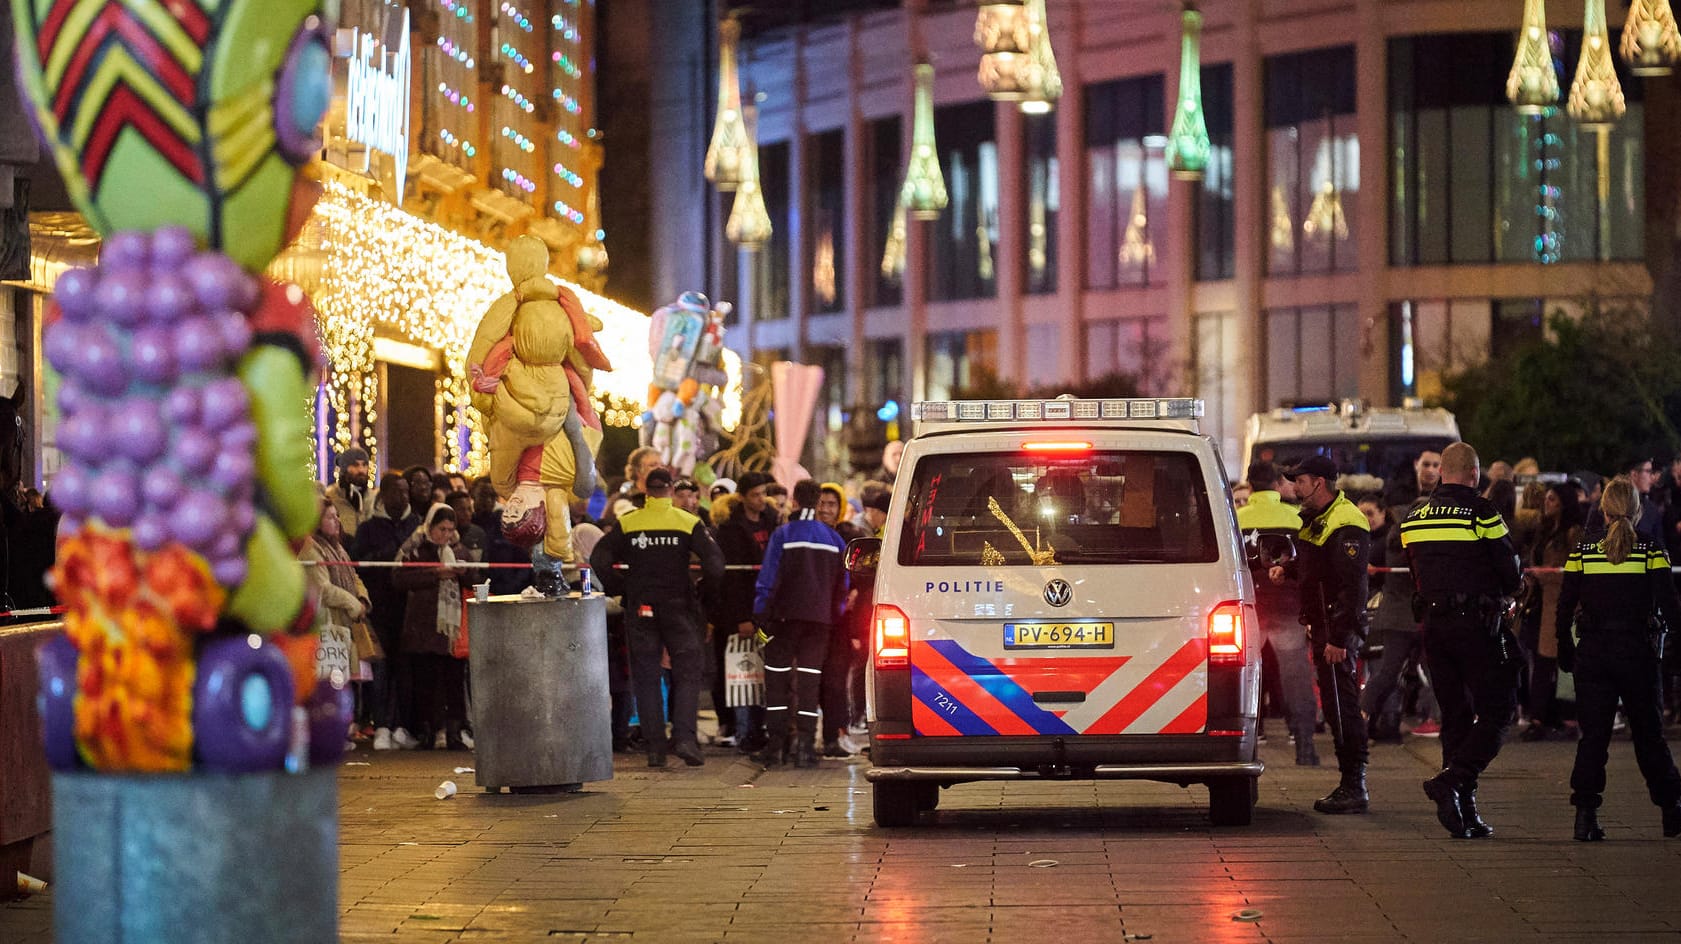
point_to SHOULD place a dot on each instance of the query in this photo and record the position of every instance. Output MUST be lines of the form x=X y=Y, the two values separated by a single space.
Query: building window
x=826 y=222
x=1126 y=170
x=885 y=162
x=1216 y=252
x=1313 y=162
x=826 y=446
x=1221 y=372
x=884 y=371
x=1136 y=347
x=1043 y=201
x=1473 y=181
x=954 y=358
x=770 y=263
x=1433 y=338
x=1044 y=356
x=1312 y=354
x=964 y=239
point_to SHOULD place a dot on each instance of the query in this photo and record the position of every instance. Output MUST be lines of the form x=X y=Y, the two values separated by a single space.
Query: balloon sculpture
x=532 y=360
x=179 y=129
x=686 y=342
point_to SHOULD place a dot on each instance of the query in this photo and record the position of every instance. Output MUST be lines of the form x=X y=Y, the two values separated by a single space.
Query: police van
x=1380 y=441
x=1061 y=594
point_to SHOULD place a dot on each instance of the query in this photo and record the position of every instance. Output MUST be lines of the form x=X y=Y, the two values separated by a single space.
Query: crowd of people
x=1447 y=601
x=757 y=570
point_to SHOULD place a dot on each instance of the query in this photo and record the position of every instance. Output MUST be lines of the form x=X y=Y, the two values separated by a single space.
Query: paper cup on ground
x=445 y=790
x=30 y=885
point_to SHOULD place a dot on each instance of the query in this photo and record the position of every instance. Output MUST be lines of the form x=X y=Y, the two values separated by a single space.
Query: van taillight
x=893 y=637
x=1228 y=633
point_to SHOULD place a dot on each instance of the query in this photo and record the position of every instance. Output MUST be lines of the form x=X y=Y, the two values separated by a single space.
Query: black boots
x=1306 y=756
x=1475 y=826
x=805 y=749
x=1349 y=796
x=690 y=753
x=1587 y=825
x=1672 y=820
x=1444 y=792
x=774 y=752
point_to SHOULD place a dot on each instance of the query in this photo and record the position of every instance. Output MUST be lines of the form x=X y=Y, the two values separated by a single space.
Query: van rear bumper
x=1169 y=773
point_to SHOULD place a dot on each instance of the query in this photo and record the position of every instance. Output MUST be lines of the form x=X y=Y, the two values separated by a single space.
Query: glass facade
x=1312 y=354
x=953 y=357
x=885 y=163
x=1216 y=224
x=1126 y=180
x=884 y=371
x=1133 y=346
x=1043 y=201
x=825 y=230
x=770 y=264
x=964 y=240
x=1313 y=162
x=1221 y=381
x=1473 y=181
x=1432 y=338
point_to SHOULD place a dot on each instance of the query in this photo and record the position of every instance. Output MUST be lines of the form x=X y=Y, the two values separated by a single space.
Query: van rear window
x=1014 y=509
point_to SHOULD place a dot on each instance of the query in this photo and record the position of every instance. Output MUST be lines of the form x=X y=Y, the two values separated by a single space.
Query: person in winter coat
x=432 y=620
x=380 y=538
x=797 y=603
x=1558 y=534
x=342 y=598
x=743 y=534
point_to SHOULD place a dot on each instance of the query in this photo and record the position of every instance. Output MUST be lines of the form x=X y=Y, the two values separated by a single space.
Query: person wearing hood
x=349 y=493
x=432 y=622
x=379 y=539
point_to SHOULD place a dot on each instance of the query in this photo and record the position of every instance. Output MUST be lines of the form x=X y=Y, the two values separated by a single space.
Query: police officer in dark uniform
x=661 y=609
x=1466 y=574
x=1331 y=554
x=1619 y=582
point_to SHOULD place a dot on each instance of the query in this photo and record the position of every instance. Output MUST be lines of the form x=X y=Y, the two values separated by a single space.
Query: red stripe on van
x=1159 y=683
x=1193 y=720
x=930 y=723
x=967 y=691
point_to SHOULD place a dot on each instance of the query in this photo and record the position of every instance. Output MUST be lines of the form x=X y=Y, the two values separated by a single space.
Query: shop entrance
x=411 y=418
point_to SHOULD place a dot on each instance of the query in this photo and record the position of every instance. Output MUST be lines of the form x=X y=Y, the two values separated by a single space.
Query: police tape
x=480 y=565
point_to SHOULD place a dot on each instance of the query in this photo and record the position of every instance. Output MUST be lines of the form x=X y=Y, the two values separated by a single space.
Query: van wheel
x=1231 y=800
x=897 y=802
x=927 y=795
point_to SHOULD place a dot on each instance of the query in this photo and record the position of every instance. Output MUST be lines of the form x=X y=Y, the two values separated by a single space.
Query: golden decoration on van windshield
x=991 y=556
x=1044 y=558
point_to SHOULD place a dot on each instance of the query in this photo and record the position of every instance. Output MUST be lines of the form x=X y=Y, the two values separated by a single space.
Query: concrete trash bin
x=196 y=858
x=542 y=716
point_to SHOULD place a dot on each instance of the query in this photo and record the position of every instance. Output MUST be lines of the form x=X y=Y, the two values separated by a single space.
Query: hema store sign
x=377 y=100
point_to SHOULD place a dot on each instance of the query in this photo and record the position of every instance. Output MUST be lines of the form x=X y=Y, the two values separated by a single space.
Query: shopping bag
x=744 y=673
x=367 y=644
x=333 y=652
x=458 y=646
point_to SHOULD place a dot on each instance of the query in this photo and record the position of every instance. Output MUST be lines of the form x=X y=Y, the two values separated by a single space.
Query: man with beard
x=349 y=494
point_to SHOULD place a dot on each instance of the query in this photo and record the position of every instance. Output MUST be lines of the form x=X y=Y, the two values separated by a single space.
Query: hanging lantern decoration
x=893 y=254
x=1532 y=84
x=1187 y=145
x=924 y=192
x=1651 y=44
x=731 y=145
x=749 y=225
x=1596 y=98
x=1017 y=62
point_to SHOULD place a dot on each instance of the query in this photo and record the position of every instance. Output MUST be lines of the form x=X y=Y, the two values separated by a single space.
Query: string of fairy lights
x=389 y=273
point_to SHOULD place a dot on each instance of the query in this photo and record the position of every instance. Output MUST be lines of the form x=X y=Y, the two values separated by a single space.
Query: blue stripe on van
x=1002 y=687
x=963 y=719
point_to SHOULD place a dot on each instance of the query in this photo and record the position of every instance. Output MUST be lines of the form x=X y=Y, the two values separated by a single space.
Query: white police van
x=1061 y=593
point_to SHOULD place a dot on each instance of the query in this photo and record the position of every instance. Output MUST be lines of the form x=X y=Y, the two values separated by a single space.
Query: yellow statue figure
x=531 y=363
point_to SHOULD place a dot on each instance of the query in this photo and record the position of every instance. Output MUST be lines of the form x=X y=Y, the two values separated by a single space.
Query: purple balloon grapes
x=157 y=432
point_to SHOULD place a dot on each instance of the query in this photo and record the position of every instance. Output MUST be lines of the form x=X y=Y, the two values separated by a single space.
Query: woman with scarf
x=431 y=623
x=343 y=598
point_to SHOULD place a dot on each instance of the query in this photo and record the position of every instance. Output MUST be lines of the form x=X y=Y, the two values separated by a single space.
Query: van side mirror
x=1264 y=549
x=862 y=556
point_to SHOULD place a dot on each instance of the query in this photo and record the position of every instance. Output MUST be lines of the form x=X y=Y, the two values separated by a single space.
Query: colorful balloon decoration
x=180 y=129
x=532 y=361
x=686 y=342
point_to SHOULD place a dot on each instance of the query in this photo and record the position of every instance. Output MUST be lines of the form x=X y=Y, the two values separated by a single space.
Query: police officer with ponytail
x=1466 y=574
x=1612 y=588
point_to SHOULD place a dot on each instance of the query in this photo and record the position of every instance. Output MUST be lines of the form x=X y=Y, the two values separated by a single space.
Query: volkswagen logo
x=1058 y=592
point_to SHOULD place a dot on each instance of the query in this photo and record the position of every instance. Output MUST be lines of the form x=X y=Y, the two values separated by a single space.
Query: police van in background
x=1061 y=594
x=1362 y=440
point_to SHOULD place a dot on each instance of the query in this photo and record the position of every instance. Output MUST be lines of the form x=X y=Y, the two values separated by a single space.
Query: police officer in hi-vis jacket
x=1466 y=574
